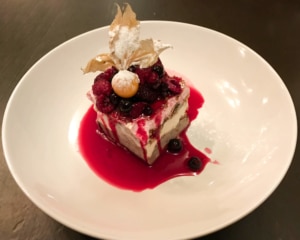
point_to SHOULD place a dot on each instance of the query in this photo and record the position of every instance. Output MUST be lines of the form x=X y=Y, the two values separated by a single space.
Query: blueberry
x=164 y=89
x=174 y=145
x=148 y=110
x=132 y=68
x=194 y=164
x=125 y=105
x=114 y=99
x=159 y=70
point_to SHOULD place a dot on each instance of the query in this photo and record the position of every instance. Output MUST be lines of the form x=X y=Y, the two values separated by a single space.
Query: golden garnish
x=125 y=84
x=125 y=47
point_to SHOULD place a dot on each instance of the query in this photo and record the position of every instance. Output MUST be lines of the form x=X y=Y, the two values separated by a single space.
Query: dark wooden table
x=31 y=28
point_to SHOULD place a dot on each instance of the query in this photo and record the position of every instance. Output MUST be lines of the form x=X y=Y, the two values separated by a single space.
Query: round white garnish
x=125 y=83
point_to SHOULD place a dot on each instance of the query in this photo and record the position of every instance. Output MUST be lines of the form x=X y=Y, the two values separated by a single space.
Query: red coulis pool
x=124 y=170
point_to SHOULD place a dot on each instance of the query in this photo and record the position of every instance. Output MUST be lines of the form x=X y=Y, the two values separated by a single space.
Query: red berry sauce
x=126 y=171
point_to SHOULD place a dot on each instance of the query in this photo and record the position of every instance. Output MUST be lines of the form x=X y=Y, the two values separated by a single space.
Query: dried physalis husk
x=124 y=35
x=148 y=52
x=100 y=63
x=126 y=18
x=125 y=47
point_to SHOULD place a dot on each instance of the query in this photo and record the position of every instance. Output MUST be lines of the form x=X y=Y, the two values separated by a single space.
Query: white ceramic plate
x=248 y=121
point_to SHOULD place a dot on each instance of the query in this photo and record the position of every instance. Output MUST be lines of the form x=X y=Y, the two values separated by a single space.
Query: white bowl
x=248 y=121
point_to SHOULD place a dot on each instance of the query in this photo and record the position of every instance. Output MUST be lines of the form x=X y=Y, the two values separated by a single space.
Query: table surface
x=29 y=29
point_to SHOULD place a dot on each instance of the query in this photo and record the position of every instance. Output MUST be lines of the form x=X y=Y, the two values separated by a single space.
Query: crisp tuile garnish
x=125 y=47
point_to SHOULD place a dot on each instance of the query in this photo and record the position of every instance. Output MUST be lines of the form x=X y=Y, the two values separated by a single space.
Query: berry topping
x=101 y=86
x=159 y=70
x=174 y=85
x=194 y=164
x=107 y=75
x=104 y=104
x=148 y=110
x=114 y=99
x=136 y=91
x=165 y=92
x=143 y=74
x=154 y=81
x=174 y=145
x=125 y=105
x=147 y=94
x=125 y=84
x=137 y=109
x=153 y=78
x=157 y=105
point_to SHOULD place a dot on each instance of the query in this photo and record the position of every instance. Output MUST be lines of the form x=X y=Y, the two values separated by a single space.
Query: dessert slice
x=139 y=105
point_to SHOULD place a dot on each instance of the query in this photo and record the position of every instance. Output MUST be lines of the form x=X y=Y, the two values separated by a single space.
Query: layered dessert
x=139 y=106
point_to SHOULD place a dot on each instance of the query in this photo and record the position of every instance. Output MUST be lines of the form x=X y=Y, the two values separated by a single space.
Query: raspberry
x=107 y=75
x=137 y=109
x=174 y=85
x=146 y=94
x=143 y=74
x=101 y=86
x=99 y=77
x=103 y=104
x=153 y=80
